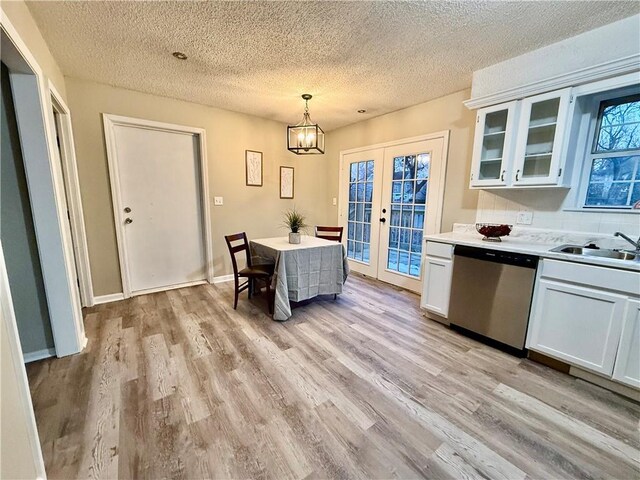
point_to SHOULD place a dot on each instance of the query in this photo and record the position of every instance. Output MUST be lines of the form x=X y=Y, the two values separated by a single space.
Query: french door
x=390 y=197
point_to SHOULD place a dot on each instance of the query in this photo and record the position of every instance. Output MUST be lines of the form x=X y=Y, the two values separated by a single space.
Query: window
x=614 y=160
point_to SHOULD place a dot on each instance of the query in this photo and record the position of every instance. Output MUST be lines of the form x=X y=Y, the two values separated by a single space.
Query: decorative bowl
x=493 y=231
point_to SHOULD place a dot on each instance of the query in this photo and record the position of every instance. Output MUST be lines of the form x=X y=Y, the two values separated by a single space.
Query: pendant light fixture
x=305 y=138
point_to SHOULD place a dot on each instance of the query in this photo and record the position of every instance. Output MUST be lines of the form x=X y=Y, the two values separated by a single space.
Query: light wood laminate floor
x=179 y=385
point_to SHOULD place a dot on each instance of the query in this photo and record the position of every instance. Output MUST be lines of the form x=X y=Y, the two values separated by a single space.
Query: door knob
x=127 y=221
x=127 y=210
x=382 y=220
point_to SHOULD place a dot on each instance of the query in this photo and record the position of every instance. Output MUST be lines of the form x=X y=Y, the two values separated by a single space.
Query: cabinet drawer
x=437 y=249
x=622 y=281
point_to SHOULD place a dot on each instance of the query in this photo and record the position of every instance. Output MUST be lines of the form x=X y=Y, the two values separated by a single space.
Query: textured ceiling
x=258 y=57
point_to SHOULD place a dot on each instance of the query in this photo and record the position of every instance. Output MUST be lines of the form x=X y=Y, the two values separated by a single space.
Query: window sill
x=602 y=210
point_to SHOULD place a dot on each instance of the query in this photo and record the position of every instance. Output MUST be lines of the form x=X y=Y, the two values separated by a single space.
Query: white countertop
x=527 y=246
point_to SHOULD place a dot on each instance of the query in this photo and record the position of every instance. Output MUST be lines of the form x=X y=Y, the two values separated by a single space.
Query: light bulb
x=310 y=139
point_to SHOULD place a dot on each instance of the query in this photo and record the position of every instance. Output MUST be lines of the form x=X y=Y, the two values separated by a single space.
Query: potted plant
x=295 y=222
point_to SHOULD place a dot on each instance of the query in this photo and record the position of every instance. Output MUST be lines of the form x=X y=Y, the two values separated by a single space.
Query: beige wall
x=21 y=19
x=256 y=210
x=446 y=113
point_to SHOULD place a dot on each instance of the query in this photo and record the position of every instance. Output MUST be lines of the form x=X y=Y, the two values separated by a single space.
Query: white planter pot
x=294 y=237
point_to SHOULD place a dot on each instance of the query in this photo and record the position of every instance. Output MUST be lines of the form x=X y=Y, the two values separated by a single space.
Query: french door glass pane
x=359 y=215
x=408 y=202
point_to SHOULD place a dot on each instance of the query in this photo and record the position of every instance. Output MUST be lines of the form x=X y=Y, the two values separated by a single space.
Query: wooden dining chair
x=251 y=272
x=329 y=233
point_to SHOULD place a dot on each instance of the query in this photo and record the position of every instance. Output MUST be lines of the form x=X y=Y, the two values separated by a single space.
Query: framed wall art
x=286 y=182
x=253 y=161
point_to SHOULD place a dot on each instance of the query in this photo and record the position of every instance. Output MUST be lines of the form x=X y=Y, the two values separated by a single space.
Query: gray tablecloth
x=313 y=267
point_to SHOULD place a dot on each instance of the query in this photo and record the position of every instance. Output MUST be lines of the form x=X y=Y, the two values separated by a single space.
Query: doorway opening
x=66 y=155
x=45 y=191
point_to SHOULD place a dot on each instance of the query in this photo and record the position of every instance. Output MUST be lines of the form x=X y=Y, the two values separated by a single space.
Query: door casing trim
x=111 y=121
x=71 y=182
x=32 y=99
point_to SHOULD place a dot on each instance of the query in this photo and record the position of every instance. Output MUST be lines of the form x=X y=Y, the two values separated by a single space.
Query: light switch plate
x=217 y=201
x=335 y=201
x=524 y=218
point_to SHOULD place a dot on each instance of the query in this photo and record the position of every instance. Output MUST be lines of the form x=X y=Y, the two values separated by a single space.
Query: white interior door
x=160 y=207
x=385 y=230
x=362 y=173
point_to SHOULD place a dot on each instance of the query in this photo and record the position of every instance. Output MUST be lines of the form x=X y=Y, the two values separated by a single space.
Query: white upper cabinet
x=493 y=145
x=541 y=132
x=522 y=143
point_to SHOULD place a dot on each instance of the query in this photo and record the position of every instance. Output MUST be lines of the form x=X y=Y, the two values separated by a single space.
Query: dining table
x=313 y=267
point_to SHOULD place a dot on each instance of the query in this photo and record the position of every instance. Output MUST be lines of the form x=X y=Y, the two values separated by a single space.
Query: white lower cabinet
x=586 y=316
x=627 y=369
x=436 y=287
x=577 y=324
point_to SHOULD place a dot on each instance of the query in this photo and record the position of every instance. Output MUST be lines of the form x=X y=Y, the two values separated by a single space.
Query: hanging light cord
x=306 y=118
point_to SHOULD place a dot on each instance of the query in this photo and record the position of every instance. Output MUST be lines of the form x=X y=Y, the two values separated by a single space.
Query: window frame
x=617 y=100
x=597 y=103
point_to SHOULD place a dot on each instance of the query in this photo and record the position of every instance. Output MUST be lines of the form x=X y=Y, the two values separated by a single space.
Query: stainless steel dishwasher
x=491 y=294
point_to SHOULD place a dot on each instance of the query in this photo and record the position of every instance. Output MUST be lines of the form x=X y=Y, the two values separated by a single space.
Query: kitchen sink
x=595 y=252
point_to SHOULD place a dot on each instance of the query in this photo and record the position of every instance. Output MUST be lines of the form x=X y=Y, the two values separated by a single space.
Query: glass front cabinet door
x=492 y=145
x=541 y=131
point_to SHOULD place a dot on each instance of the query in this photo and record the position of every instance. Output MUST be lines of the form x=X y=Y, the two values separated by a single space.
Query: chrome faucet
x=636 y=244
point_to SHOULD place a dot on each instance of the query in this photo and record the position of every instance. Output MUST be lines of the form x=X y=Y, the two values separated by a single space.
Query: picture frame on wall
x=253 y=165
x=286 y=182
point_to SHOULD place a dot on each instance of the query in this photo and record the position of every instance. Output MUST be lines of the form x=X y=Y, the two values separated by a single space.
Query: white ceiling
x=258 y=57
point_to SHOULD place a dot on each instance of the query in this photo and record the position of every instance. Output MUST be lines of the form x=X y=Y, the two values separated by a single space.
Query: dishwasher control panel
x=497 y=256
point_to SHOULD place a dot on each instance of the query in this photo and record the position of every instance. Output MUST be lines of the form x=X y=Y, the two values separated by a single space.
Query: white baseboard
x=166 y=288
x=112 y=297
x=39 y=355
x=223 y=278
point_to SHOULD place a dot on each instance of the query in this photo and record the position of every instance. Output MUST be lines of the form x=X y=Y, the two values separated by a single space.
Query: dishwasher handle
x=497 y=256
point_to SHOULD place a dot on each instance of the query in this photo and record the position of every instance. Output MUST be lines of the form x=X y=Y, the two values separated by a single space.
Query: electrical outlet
x=218 y=201
x=335 y=201
x=524 y=218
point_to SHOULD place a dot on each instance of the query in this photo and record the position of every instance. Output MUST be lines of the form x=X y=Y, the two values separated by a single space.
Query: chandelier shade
x=305 y=138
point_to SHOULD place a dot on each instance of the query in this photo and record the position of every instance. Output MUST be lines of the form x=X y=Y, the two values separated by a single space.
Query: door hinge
x=472 y=176
x=570 y=98
x=477 y=118
x=560 y=172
